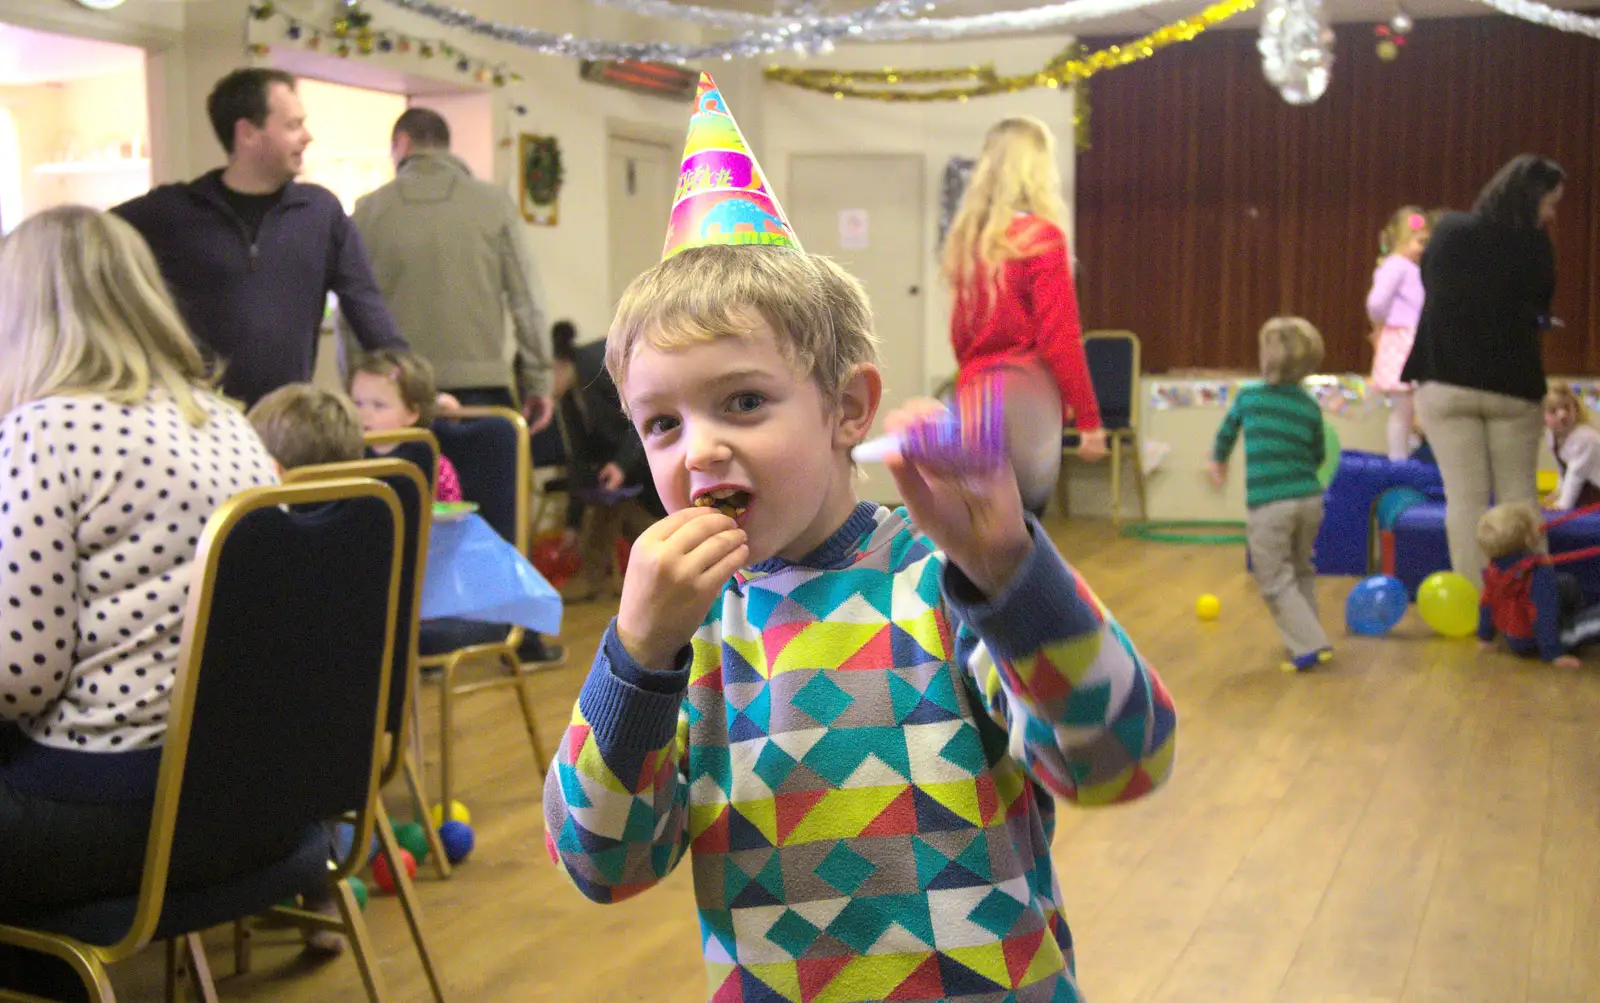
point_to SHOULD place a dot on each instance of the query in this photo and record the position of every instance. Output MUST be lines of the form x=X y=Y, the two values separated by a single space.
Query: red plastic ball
x=556 y=561
x=383 y=877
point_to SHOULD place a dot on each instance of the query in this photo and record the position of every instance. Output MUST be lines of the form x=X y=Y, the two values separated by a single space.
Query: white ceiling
x=36 y=57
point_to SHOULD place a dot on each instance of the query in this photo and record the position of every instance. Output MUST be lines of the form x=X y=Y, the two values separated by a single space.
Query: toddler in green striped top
x=1283 y=448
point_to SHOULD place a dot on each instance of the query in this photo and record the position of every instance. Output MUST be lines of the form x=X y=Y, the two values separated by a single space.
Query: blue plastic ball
x=458 y=840
x=343 y=835
x=1375 y=605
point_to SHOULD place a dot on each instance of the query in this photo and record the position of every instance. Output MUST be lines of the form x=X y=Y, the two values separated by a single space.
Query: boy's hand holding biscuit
x=676 y=570
x=975 y=517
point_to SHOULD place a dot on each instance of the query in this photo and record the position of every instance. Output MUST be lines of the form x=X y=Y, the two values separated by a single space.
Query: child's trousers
x=1280 y=536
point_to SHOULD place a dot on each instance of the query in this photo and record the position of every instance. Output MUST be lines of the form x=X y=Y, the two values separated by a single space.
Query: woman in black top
x=1489 y=275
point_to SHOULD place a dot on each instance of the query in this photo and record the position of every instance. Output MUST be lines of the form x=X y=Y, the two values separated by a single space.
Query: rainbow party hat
x=722 y=195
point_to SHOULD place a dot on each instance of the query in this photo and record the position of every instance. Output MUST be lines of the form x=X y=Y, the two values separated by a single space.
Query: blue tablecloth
x=474 y=574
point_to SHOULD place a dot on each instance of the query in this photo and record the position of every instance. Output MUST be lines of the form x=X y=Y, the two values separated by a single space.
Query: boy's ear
x=859 y=398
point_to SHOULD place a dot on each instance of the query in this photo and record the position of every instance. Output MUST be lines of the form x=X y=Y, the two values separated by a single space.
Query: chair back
x=282 y=679
x=415 y=444
x=416 y=507
x=1113 y=358
x=489 y=447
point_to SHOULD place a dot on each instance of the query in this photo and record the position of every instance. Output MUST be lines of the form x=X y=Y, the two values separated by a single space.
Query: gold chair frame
x=401 y=760
x=504 y=652
x=1116 y=438
x=89 y=961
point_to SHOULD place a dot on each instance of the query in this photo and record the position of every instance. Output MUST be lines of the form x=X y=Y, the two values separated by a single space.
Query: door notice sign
x=853 y=229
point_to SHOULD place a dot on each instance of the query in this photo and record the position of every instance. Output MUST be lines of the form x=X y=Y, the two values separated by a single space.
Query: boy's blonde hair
x=1510 y=529
x=1561 y=395
x=302 y=425
x=1016 y=173
x=83 y=309
x=411 y=374
x=819 y=312
x=1291 y=350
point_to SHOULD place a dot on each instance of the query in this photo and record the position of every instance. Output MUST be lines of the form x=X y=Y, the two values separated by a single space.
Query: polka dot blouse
x=101 y=507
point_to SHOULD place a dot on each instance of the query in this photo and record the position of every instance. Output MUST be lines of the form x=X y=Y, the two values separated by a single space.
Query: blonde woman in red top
x=1015 y=311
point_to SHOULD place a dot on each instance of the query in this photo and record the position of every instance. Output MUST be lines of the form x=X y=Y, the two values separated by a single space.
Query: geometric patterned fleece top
x=859 y=754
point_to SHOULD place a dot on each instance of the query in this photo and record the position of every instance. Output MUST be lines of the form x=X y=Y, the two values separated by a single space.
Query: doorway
x=867 y=213
x=74 y=123
x=641 y=177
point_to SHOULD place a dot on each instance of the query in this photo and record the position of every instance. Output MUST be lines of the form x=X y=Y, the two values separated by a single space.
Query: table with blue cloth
x=475 y=574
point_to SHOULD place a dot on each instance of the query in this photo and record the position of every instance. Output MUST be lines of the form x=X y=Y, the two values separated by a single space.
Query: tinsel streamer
x=819 y=38
x=871 y=29
x=1066 y=68
x=1296 y=48
x=1550 y=17
x=798 y=18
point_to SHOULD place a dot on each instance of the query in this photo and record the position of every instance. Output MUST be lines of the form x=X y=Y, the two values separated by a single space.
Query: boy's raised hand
x=676 y=570
x=975 y=518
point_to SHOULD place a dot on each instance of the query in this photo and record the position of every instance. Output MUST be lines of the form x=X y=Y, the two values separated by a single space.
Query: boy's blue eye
x=746 y=403
x=656 y=426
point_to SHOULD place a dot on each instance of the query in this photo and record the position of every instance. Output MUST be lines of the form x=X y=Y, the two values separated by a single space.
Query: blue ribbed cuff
x=1039 y=605
x=627 y=705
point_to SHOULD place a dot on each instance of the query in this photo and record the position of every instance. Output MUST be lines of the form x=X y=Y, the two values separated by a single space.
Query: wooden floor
x=1418 y=822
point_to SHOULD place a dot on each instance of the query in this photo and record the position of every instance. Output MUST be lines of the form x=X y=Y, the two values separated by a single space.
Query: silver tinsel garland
x=865 y=28
x=796 y=36
x=1296 y=48
x=1550 y=17
x=794 y=18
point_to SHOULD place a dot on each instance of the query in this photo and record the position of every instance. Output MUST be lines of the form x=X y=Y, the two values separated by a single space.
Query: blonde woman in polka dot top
x=113 y=453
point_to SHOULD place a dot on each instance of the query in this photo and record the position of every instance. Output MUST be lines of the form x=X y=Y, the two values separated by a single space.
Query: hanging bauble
x=1387 y=50
x=1296 y=48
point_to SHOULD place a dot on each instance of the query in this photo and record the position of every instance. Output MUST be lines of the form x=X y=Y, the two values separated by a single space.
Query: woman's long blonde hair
x=85 y=310
x=1017 y=173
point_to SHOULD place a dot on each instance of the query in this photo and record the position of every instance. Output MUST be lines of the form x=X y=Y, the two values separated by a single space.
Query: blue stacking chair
x=406 y=479
x=1114 y=366
x=276 y=729
x=489 y=448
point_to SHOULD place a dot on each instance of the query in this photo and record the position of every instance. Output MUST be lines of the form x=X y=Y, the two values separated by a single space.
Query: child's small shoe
x=1308 y=661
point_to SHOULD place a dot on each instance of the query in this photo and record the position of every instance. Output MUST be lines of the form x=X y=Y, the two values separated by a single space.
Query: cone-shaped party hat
x=722 y=195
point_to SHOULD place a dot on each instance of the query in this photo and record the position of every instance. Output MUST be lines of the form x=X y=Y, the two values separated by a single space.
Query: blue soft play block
x=1344 y=543
x=1584 y=531
x=1421 y=548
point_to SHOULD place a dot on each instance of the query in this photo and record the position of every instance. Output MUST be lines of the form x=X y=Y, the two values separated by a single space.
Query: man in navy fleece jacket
x=249 y=254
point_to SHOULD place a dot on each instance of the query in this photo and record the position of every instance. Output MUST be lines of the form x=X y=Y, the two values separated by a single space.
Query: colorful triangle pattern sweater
x=858 y=753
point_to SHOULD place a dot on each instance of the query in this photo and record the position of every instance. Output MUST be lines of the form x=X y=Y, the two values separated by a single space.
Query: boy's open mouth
x=731 y=502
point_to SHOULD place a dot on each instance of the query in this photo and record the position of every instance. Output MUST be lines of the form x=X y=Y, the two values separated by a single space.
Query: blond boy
x=852 y=718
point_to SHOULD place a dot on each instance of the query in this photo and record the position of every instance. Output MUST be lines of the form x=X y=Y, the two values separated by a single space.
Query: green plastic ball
x=412 y=837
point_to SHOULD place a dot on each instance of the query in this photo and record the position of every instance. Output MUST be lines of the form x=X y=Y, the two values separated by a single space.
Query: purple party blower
x=972 y=438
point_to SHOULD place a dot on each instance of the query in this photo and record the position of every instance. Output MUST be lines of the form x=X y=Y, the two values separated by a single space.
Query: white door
x=867 y=213
x=640 y=180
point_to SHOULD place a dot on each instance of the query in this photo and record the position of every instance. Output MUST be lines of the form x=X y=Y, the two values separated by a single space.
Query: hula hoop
x=1187 y=531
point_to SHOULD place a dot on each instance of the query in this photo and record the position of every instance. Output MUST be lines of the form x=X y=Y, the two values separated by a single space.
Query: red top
x=448 y=488
x=1036 y=318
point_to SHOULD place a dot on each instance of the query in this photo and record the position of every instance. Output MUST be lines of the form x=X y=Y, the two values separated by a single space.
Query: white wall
x=195 y=42
x=798 y=121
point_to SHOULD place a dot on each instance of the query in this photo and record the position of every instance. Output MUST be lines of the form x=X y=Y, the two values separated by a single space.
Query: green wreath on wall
x=542 y=172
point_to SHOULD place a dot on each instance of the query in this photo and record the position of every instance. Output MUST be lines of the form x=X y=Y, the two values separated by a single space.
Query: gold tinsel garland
x=1068 y=67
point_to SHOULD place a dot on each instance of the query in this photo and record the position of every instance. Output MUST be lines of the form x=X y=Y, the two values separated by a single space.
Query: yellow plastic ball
x=1388 y=51
x=458 y=813
x=1208 y=606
